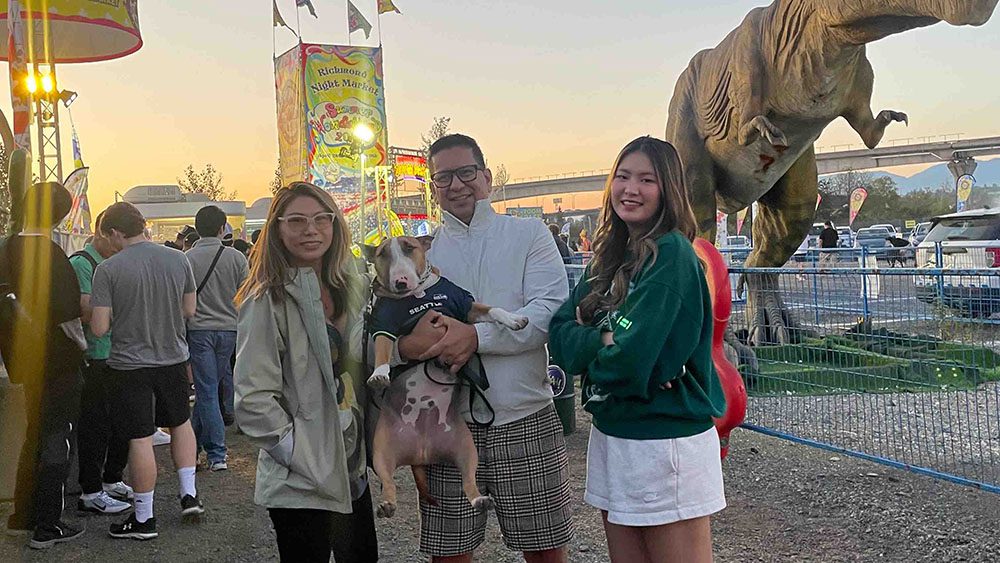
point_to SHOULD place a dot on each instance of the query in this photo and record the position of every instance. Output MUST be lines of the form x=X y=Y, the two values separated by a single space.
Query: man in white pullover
x=514 y=264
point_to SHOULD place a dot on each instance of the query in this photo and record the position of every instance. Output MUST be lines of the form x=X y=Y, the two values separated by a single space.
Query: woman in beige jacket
x=299 y=388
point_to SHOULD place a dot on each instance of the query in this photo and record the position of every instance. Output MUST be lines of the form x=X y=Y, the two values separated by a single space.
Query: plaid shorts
x=524 y=468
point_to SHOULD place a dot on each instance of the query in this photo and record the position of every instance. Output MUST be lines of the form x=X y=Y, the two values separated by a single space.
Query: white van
x=969 y=240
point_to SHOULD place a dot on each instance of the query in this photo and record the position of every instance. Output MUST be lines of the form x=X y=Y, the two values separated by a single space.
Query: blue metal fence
x=895 y=365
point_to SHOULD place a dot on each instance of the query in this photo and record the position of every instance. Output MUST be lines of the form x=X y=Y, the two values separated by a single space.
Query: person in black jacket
x=828 y=238
x=42 y=343
x=560 y=244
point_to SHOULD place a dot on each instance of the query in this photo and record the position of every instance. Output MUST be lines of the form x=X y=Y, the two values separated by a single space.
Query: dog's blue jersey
x=397 y=317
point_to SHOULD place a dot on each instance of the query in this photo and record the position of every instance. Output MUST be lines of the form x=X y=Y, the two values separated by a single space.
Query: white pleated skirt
x=654 y=482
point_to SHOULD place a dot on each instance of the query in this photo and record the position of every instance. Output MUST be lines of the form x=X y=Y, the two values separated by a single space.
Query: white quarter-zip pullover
x=512 y=263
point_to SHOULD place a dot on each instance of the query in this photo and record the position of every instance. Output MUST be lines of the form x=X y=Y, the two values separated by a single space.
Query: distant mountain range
x=987 y=173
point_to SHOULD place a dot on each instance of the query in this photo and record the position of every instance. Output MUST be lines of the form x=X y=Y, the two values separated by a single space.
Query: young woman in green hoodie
x=638 y=327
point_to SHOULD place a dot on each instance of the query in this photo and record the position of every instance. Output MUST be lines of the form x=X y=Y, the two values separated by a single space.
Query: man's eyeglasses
x=298 y=222
x=444 y=178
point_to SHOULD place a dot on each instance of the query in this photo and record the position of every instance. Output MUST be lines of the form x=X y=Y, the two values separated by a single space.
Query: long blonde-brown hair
x=270 y=262
x=618 y=258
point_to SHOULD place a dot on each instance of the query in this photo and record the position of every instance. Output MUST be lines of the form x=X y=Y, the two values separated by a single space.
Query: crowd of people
x=637 y=327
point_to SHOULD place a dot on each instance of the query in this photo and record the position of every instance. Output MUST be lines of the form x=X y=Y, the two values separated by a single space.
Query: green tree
x=882 y=205
x=438 y=129
x=836 y=191
x=920 y=205
x=208 y=182
x=277 y=182
x=982 y=196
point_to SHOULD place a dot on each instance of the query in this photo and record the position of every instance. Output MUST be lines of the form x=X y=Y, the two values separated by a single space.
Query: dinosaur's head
x=862 y=21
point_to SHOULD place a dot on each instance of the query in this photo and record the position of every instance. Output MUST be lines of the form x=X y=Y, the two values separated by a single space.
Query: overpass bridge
x=960 y=155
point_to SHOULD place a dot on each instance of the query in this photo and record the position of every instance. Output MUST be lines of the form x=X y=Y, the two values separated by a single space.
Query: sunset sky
x=546 y=87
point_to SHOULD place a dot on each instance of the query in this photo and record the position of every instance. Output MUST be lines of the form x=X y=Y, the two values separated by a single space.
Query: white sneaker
x=102 y=504
x=218 y=466
x=160 y=438
x=119 y=490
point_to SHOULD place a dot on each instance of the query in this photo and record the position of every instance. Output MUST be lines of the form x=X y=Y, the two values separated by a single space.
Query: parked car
x=873 y=238
x=968 y=240
x=846 y=235
x=812 y=239
x=738 y=248
x=919 y=233
x=892 y=230
x=801 y=253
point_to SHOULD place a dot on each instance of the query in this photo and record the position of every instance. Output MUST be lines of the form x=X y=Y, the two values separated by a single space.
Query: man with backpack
x=102 y=452
x=219 y=271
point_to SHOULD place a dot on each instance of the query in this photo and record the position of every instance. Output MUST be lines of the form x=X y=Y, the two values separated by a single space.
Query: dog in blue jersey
x=420 y=420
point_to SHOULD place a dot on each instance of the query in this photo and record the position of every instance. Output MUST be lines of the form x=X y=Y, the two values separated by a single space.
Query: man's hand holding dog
x=459 y=343
x=424 y=335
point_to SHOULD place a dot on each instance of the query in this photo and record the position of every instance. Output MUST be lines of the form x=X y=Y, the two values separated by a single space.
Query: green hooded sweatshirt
x=662 y=332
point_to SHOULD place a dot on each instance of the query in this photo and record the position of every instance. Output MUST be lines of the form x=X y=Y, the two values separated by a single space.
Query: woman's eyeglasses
x=444 y=178
x=298 y=222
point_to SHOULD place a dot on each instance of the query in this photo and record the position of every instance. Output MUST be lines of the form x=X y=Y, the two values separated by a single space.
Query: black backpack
x=93 y=263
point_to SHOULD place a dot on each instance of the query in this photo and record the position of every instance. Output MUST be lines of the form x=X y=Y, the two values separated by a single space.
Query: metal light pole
x=47 y=121
x=365 y=136
x=364 y=201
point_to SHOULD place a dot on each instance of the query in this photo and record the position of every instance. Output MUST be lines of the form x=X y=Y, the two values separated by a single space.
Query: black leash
x=474 y=391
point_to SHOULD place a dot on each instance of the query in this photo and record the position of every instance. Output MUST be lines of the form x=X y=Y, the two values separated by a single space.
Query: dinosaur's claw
x=762 y=127
x=769 y=319
x=888 y=116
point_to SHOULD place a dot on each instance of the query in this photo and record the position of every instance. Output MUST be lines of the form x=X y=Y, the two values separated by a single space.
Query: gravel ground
x=786 y=503
x=957 y=432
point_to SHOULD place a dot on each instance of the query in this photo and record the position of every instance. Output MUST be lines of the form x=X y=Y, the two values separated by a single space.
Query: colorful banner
x=276 y=18
x=964 y=190
x=721 y=229
x=19 y=96
x=858 y=197
x=741 y=217
x=307 y=4
x=77 y=152
x=410 y=168
x=356 y=21
x=343 y=89
x=385 y=6
x=78 y=219
x=292 y=128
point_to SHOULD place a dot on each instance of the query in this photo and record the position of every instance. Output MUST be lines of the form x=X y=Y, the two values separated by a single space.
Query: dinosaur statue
x=744 y=117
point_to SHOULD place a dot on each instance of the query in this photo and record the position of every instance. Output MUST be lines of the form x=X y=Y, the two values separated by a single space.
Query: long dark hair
x=618 y=258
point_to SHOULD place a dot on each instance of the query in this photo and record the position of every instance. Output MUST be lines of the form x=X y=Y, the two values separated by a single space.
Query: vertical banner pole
x=20 y=98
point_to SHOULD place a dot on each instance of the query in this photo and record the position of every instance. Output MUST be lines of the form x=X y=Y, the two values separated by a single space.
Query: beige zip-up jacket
x=286 y=398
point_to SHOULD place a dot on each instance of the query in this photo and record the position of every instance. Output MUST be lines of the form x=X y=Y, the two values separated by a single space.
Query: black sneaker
x=47 y=536
x=191 y=506
x=133 y=529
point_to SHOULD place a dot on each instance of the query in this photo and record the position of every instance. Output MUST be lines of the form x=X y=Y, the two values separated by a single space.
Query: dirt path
x=786 y=503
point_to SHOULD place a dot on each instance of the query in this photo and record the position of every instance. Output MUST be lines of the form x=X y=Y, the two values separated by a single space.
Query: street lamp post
x=364 y=201
x=365 y=136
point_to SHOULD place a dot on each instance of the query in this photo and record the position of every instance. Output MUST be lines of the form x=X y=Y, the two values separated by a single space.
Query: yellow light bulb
x=364 y=133
x=48 y=85
x=31 y=83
